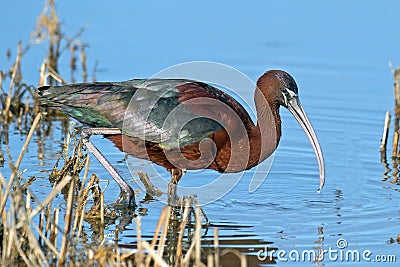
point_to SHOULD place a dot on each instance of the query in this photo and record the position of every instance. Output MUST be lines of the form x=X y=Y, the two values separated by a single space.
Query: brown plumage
x=184 y=124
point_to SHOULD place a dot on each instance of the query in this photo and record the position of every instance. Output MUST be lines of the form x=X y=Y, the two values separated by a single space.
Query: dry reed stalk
x=1 y=157
x=53 y=74
x=18 y=163
x=3 y=218
x=42 y=73
x=150 y=188
x=48 y=27
x=67 y=141
x=158 y=260
x=216 y=247
x=210 y=260
x=2 y=76
x=19 y=118
x=81 y=219
x=49 y=244
x=163 y=236
x=396 y=75
x=23 y=241
x=28 y=201
x=30 y=251
x=14 y=71
x=395 y=179
x=197 y=240
x=27 y=140
x=8 y=248
x=83 y=61
x=26 y=106
x=395 y=144
x=73 y=49
x=68 y=218
x=94 y=71
x=185 y=219
x=85 y=174
x=3 y=213
x=41 y=222
x=21 y=253
x=385 y=132
x=52 y=194
x=102 y=216
x=196 y=203
x=139 y=254
x=47 y=210
x=196 y=236
x=102 y=208
x=48 y=21
x=82 y=201
x=123 y=257
x=156 y=233
x=54 y=227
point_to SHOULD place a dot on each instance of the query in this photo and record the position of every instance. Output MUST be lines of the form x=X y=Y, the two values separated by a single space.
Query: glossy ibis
x=182 y=124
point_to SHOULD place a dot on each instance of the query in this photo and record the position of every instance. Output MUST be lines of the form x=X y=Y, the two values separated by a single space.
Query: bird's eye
x=284 y=90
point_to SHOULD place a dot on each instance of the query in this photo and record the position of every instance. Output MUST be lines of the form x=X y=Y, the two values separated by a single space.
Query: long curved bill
x=295 y=107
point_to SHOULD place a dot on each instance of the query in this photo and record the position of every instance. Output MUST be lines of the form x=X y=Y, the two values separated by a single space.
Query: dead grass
x=39 y=233
x=391 y=168
x=36 y=235
x=19 y=99
x=392 y=173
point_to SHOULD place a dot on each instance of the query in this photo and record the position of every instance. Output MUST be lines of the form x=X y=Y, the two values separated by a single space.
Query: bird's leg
x=151 y=190
x=190 y=201
x=176 y=175
x=126 y=190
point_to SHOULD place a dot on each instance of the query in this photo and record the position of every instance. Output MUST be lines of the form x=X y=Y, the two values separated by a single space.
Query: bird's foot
x=127 y=197
x=151 y=190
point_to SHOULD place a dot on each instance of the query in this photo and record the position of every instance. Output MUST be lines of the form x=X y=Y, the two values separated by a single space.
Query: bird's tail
x=67 y=95
x=48 y=97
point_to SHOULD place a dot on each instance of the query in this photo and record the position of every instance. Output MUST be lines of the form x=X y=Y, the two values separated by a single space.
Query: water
x=338 y=53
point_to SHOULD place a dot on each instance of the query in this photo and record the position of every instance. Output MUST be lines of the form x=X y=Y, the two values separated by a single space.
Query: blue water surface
x=337 y=51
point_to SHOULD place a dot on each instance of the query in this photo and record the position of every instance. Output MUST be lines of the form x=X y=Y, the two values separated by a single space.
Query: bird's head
x=280 y=89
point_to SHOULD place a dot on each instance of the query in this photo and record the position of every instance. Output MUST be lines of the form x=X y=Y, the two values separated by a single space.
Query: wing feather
x=153 y=110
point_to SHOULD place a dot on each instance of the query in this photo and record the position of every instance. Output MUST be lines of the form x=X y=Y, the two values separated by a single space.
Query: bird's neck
x=266 y=134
